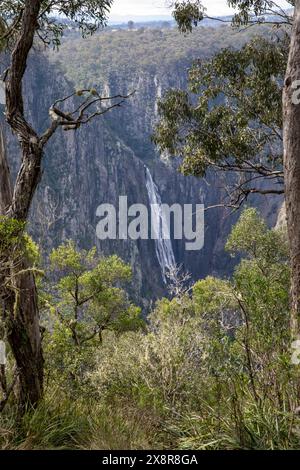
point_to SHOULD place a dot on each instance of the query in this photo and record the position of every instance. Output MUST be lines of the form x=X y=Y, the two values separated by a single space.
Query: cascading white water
x=160 y=229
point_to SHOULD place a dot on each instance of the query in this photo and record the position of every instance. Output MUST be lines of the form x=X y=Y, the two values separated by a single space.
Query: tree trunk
x=5 y=180
x=24 y=337
x=19 y=301
x=291 y=131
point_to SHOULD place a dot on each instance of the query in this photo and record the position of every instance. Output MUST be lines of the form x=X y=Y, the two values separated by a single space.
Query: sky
x=129 y=9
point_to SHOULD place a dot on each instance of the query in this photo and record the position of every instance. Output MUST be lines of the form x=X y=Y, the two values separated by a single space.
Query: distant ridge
x=118 y=20
x=157 y=20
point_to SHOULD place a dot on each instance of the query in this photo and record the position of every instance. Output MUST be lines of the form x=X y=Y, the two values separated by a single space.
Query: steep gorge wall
x=105 y=160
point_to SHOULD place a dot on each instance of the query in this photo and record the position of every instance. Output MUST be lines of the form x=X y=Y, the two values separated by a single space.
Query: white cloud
x=139 y=8
x=133 y=8
x=159 y=7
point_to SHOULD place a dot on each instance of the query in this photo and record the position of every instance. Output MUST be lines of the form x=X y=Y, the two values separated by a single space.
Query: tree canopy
x=53 y=17
x=231 y=118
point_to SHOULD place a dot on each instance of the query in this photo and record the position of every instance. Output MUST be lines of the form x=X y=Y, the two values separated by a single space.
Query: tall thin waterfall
x=160 y=229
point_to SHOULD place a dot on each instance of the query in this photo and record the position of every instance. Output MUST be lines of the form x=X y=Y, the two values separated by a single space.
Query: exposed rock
x=105 y=160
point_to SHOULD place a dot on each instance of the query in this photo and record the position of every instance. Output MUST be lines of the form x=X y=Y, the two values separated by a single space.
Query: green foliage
x=188 y=14
x=207 y=362
x=246 y=10
x=232 y=117
x=15 y=243
x=88 y=16
x=211 y=295
x=84 y=301
x=60 y=423
x=129 y=54
x=32 y=251
x=10 y=231
x=161 y=369
x=262 y=280
x=252 y=238
x=210 y=370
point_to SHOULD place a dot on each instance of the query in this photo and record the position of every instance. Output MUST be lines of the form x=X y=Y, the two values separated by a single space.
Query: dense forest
x=205 y=364
x=92 y=61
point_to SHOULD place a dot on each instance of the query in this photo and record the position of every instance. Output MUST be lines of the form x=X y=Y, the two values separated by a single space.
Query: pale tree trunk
x=19 y=301
x=291 y=133
x=5 y=180
x=24 y=337
x=19 y=305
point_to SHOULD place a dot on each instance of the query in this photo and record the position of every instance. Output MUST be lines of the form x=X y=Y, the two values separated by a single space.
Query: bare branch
x=74 y=119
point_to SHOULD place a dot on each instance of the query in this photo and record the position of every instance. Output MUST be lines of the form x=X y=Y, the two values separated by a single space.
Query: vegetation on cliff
x=211 y=368
x=126 y=53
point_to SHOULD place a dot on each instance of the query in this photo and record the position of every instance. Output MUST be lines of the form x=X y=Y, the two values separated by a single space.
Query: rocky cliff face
x=105 y=160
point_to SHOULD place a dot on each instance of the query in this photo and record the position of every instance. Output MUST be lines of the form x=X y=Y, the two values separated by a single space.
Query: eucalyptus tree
x=291 y=133
x=258 y=120
x=230 y=120
x=24 y=23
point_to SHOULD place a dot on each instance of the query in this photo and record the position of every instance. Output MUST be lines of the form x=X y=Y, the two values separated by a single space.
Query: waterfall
x=160 y=229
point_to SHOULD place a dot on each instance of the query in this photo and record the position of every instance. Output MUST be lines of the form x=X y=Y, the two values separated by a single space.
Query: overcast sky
x=132 y=8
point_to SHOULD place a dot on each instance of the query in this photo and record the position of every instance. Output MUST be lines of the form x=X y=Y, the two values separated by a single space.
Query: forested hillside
x=91 y=62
